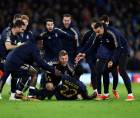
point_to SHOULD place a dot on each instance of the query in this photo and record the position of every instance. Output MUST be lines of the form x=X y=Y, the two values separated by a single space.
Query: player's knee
x=32 y=71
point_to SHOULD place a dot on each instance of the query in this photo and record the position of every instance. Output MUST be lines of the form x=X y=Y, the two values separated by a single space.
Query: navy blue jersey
x=86 y=45
x=53 y=43
x=111 y=45
x=70 y=88
x=123 y=41
x=7 y=36
x=25 y=54
x=26 y=36
x=66 y=70
x=72 y=44
x=105 y=47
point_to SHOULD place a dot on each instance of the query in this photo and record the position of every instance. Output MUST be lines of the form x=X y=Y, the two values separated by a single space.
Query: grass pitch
x=72 y=109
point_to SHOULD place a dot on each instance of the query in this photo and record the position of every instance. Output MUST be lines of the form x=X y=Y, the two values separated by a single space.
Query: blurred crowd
x=124 y=15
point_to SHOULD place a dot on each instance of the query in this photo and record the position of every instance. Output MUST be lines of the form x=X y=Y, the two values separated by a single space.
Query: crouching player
x=25 y=54
x=49 y=81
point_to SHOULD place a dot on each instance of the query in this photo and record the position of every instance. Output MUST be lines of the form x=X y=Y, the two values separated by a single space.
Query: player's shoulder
x=6 y=34
x=56 y=64
x=113 y=29
x=43 y=34
x=88 y=32
x=59 y=30
x=6 y=31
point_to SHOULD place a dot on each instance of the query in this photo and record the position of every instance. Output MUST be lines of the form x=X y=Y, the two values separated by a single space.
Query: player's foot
x=33 y=98
x=0 y=97
x=99 y=97
x=13 y=99
x=115 y=94
x=105 y=97
x=20 y=96
x=130 y=98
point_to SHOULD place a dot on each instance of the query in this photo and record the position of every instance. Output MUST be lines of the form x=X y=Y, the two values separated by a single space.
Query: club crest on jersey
x=107 y=40
x=27 y=37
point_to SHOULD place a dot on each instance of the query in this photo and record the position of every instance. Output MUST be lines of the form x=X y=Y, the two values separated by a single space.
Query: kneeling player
x=49 y=81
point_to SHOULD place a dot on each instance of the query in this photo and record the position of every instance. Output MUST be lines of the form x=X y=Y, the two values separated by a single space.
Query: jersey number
x=68 y=92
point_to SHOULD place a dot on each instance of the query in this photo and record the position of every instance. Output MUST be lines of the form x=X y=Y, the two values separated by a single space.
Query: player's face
x=99 y=31
x=50 y=26
x=20 y=29
x=26 y=23
x=63 y=59
x=67 y=21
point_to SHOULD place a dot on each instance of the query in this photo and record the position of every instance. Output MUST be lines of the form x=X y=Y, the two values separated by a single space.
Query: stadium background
x=124 y=15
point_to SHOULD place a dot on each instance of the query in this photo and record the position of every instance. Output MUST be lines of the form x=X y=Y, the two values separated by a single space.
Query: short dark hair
x=63 y=53
x=49 y=20
x=67 y=15
x=18 y=23
x=16 y=16
x=105 y=18
x=98 y=24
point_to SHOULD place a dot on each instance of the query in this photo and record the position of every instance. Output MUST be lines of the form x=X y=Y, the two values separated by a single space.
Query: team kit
x=58 y=53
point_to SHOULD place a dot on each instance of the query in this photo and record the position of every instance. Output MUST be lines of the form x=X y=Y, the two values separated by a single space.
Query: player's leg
x=21 y=83
x=15 y=75
x=115 y=82
x=106 y=84
x=100 y=67
x=46 y=92
x=126 y=79
x=93 y=78
x=43 y=80
x=33 y=73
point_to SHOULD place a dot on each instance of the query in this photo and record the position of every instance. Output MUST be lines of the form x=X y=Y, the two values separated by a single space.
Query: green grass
x=72 y=109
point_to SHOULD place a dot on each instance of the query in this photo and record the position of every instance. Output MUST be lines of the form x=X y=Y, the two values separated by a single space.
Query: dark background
x=124 y=14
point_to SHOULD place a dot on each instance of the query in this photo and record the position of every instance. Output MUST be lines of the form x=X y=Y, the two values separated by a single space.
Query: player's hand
x=79 y=57
x=110 y=64
x=57 y=72
x=19 y=44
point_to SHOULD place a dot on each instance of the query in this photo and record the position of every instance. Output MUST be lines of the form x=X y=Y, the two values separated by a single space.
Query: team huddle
x=58 y=53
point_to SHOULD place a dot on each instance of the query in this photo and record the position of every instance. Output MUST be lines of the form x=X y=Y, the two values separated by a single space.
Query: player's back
x=21 y=55
x=69 y=89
